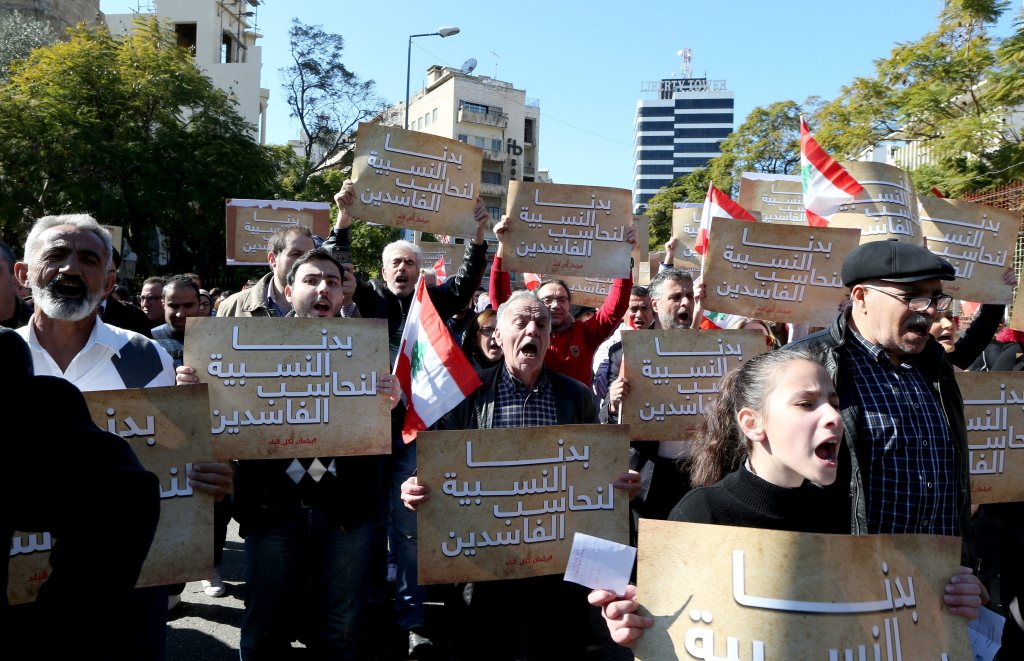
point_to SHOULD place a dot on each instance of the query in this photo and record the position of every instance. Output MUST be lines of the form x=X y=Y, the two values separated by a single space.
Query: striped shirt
x=519 y=406
x=905 y=446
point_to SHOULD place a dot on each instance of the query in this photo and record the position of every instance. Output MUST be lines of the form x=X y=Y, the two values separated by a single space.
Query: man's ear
x=751 y=425
x=21 y=273
x=110 y=283
x=288 y=293
x=272 y=259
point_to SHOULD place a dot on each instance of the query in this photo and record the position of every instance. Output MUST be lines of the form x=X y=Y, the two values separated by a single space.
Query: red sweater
x=572 y=351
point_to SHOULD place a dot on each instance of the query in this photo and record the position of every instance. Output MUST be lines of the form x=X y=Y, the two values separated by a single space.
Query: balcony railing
x=498 y=119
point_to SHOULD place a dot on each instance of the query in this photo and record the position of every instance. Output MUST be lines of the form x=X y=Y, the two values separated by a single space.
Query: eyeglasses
x=919 y=303
x=487 y=331
x=561 y=300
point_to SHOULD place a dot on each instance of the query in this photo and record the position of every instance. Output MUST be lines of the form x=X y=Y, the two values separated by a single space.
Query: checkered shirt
x=518 y=406
x=908 y=458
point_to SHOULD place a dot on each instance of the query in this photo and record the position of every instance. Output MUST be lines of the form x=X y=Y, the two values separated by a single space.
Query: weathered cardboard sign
x=978 y=240
x=642 y=225
x=685 y=224
x=885 y=209
x=594 y=291
x=722 y=592
x=166 y=428
x=416 y=180
x=674 y=375
x=779 y=198
x=250 y=223
x=559 y=229
x=292 y=387
x=994 y=410
x=521 y=492
x=115 y=235
x=787 y=273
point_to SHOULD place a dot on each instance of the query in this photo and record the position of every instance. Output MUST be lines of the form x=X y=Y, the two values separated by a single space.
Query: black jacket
x=937 y=372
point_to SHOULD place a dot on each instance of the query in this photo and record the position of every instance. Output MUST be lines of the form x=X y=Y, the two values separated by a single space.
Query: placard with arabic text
x=505 y=503
x=416 y=180
x=249 y=224
x=724 y=592
x=994 y=411
x=885 y=209
x=787 y=273
x=674 y=375
x=290 y=387
x=557 y=229
x=778 y=198
x=166 y=428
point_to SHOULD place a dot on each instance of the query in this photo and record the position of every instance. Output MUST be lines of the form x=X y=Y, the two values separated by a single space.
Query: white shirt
x=112 y=359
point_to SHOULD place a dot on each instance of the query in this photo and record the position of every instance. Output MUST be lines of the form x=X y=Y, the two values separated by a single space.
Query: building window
x=528 y=131
x=433 y=115
x=479 y=142
x=655 y=140
x=490 y=178
x=496 y=145
x=494 y=211
x=186 y=36
x=474 y=107
x=463 y=137
x=657 y=111
x=426 y=119
x=227 y=50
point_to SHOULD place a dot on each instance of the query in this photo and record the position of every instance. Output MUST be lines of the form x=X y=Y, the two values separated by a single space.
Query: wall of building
x=61 y=14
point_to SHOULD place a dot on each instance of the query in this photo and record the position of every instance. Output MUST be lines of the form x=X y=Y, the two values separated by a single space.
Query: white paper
x=600 y=564
x=986 y=634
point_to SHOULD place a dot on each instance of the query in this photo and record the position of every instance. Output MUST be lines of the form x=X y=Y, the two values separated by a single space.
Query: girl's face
x=488 y=346
x=797 y=436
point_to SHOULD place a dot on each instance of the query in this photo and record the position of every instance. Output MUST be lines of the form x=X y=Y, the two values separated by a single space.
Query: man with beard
x=67 y=266
x=307 y=523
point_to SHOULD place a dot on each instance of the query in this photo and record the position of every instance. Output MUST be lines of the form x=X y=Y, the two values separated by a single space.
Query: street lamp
x=441 y=32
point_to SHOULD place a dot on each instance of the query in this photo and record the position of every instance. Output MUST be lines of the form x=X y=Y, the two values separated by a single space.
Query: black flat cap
x=894 y=261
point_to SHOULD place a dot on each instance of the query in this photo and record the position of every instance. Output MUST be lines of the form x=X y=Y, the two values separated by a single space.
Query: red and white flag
x=827 y=185
x=717 y=205
x=531 y=280
x=434 y=373
x=439 y=271
x=719 y=320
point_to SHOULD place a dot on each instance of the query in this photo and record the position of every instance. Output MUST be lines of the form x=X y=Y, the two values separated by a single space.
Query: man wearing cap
x=902 y=410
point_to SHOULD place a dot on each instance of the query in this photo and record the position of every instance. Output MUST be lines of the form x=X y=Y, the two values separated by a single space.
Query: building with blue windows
x=678 y=128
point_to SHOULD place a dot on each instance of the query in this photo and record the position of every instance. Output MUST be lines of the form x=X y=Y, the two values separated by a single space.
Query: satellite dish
x=468 y=66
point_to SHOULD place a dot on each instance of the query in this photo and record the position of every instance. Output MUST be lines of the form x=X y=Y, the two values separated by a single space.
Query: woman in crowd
x=767 y=446
x=478 y=341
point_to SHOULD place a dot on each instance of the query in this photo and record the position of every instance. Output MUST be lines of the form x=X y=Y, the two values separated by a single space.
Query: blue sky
x=585 y=61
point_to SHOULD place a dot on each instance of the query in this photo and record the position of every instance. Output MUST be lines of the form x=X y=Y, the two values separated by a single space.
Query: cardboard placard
x=557 y=229
x=589 y=292
x=166 y=428
x=994 y=411
x=787 y=273
x=416 y=180
x=779 y=198
x=642 y=225
x=522 y=492
x=675 y=374
x=115 y=235
x=978 y=240
x=768 y=594
x=289 y=387
x=885 y=209
x=685 y=224
x=249 y=224
x=452 y=253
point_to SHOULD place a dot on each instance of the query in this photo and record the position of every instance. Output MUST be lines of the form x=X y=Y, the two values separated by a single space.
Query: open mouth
x=828 y=452
x=322 y=306
x=65 y=287
x=401 y=278
x=529 y=349
x=684 y=316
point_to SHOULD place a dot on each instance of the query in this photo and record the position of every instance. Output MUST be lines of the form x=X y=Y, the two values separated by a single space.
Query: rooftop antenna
x=468 y=66
x=496 y=58
x=685 y=69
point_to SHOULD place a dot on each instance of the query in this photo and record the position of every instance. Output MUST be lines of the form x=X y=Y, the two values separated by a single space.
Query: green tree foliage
x=951 y=90
x=19 y=34
x=689 y=188
x=325 y=96
x=128 y=129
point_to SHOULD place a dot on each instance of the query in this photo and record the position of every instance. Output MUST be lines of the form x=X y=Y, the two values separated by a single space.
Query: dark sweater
x=744 y=499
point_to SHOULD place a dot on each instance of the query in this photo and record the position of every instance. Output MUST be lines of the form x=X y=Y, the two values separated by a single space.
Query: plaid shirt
x=517 y=406
x=908 y=458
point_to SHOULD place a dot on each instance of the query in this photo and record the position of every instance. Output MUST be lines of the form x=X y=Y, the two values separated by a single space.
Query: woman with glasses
x=478 y=341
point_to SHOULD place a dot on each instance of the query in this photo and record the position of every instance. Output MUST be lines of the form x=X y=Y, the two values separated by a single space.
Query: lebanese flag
x=531 y=280
x=827 y=185
x=439 y=271
x=719 y=320
x=434 y=373
x=717 y=205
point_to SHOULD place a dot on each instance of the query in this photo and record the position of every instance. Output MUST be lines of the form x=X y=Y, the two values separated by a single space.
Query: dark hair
x=181 y=282
x=547 y=280
x=123 y=292
x=314 y=255
x=639 y=291
x=721 y=446
x=155 y=280
x=676 y=275
x=471 y=339
x=194 y=277
x=279 y=239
